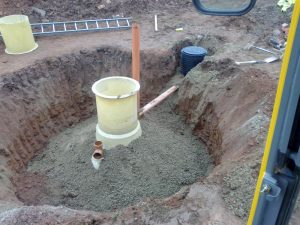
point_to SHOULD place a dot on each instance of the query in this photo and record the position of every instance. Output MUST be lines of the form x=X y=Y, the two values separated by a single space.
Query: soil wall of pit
x=229 y=108
x=41 y=100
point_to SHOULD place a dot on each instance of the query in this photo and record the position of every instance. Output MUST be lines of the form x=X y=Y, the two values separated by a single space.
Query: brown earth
x=60 y=10
x=228 y=107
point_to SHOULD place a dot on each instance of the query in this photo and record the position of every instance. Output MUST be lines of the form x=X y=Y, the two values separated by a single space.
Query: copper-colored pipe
x=98 y=150
x=98 y=154
x=157 y=100
x=136 y=61
x=98 y=144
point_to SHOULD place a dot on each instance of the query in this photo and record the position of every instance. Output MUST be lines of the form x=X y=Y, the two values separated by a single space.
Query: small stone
x=100 y=6
x=70 y=195
x=276 y=32
x=108 y=1
x=84 y=51
x=284 y=25
x=41 y=12
x=200 y=36
x=4 y=152
x=251 y=144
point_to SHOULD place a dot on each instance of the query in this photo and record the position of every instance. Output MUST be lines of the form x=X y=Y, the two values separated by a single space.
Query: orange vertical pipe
x=136 y=61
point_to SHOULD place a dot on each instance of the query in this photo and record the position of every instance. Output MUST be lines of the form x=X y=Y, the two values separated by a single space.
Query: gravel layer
x=158 y=164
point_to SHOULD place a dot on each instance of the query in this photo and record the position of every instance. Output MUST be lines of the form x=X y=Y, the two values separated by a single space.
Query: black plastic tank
x=191 y=56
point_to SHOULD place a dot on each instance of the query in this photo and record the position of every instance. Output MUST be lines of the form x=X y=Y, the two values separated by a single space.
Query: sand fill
x=158 y=164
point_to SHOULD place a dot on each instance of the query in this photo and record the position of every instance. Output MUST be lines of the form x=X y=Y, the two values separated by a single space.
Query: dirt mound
x=228 y=108
x=198 y=205
x=62 y=10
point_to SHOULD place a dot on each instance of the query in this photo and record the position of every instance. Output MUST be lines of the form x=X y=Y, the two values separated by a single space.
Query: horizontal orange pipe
x=157 y=100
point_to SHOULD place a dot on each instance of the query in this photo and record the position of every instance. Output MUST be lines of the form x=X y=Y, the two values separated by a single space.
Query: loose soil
x=156 y=165
x=61 y=10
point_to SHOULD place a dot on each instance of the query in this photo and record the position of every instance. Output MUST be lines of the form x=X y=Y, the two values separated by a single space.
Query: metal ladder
x=53 y=28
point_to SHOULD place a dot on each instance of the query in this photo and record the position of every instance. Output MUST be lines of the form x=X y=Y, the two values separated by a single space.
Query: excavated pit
x=43 y=102
x=55 y=94
x=49 y=128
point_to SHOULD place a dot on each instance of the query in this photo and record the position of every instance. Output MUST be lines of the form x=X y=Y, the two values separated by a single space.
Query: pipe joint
x=98 y=154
